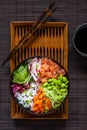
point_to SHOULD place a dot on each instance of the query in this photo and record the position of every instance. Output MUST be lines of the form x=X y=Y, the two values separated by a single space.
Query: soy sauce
x=81 y=40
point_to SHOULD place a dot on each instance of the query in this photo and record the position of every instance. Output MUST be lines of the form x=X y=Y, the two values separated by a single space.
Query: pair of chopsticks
x=41 y=20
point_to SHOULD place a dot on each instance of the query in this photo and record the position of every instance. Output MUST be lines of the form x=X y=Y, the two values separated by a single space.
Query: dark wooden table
x=75 y=13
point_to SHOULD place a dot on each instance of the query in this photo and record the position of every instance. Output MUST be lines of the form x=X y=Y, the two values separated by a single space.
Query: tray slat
x=50 y=40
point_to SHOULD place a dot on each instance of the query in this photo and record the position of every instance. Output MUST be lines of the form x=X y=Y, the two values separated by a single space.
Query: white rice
x=26 y=98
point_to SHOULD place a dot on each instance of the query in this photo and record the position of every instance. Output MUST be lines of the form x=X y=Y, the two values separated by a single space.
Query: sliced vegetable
x=41 y=103
x=34 y=68
x=21 y=75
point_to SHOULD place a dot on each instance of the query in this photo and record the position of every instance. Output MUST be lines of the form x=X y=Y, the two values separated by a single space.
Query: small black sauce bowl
x=76 y=32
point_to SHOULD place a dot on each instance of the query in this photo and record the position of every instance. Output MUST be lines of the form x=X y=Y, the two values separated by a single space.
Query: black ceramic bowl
x=80 y=39
x=23 y=90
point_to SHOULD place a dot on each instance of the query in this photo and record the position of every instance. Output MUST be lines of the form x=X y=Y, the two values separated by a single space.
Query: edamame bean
x=63 y=85
x=60 y=77
x=45 y=84
x=59 y=82
x=64 y=79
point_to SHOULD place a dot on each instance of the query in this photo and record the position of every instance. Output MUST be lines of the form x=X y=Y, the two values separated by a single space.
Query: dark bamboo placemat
x=75 y=13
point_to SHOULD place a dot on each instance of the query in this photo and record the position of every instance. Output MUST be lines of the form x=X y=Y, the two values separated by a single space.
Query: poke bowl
x=39 y=85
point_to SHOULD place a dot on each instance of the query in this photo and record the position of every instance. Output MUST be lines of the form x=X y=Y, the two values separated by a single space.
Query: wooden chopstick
x=42 y=16
x=42 y=19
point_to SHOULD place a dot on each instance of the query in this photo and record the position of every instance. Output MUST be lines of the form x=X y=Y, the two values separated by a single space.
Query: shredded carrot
x=41 y=103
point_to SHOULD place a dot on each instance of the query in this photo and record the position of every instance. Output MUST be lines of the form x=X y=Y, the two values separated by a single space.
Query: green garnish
x=37 y=65
x=21 y=75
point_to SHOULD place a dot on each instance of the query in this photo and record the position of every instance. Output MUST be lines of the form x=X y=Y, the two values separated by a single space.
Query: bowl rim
x=28 y=110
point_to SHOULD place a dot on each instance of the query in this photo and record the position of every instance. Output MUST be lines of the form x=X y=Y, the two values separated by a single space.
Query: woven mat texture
x=75 y=13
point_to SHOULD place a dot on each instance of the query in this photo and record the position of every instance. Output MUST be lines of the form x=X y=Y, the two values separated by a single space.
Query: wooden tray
x=50 y=40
